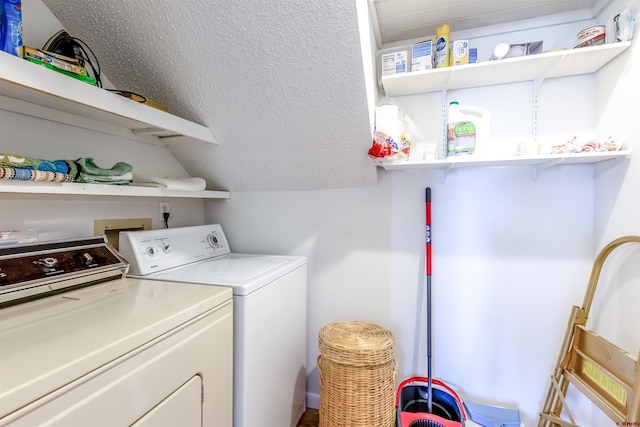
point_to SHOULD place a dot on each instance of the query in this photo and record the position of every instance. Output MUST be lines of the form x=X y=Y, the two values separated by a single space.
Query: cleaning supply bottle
x=467 y=130
x=443 y=46
x=11 y=27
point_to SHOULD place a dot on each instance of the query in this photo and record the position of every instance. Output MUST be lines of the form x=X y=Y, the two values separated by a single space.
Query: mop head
x=425 y=423
x=412 y=402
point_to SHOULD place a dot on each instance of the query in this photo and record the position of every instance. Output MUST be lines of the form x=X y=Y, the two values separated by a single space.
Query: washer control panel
x=150 y=251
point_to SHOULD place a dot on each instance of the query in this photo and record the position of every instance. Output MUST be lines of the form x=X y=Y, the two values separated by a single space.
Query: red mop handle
x=428 y=231
x=428 y=268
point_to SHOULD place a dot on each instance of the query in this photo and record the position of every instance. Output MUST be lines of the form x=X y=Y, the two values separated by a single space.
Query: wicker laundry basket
x=357 y=375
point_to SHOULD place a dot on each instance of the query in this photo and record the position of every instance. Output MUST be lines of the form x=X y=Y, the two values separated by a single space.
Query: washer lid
x=244 y=273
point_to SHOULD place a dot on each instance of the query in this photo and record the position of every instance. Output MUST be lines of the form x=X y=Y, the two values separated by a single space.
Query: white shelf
x=537 y=163
x=564 y=63
x=34 y=90
x=72 y=188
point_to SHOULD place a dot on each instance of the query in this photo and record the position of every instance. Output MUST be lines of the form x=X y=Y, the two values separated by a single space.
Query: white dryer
x=82 y=345
x=270 y=313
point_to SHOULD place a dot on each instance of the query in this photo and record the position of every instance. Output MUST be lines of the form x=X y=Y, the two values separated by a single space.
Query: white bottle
x=467 y=130
x=499 y=52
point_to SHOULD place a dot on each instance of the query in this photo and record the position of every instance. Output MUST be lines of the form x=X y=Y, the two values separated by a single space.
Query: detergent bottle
x=468 y=130
x=11 y=27
x=443 y=46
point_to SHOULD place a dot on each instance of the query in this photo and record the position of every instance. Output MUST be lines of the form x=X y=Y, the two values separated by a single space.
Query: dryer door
x=182 y=408
x=161 y=380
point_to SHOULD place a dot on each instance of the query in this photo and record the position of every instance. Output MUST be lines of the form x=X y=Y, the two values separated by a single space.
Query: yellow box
x=459 y=52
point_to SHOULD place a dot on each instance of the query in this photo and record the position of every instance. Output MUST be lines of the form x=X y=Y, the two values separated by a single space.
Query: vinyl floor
x=310 y=418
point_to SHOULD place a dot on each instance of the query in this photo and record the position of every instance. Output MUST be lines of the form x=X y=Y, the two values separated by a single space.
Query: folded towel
x=82 y=170
x=125 y=179
x=90 y=173
x=88 y=166
x=90 y=179
x=22 y=174
x=182 y=184
x=14 y=161
x=73 y=168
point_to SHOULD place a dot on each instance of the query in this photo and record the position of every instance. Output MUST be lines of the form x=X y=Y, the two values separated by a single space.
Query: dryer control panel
x=151 y=251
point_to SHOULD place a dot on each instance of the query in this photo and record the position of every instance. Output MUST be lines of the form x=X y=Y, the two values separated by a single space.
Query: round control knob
x=151 y=251
x=49 y=262
x=166 y=248
x=213 y=240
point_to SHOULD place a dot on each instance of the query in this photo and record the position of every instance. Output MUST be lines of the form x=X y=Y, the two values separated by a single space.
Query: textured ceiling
x=280 y=83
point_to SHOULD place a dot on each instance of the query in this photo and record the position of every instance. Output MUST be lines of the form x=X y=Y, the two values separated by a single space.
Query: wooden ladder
x=603 y=372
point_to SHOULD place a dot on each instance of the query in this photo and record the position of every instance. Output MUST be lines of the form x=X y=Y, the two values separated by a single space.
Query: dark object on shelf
x=64 y=44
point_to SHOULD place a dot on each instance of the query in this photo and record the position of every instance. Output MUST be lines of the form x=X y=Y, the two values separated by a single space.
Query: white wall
x=510 y=258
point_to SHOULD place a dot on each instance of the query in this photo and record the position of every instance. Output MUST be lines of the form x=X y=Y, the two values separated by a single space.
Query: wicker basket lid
x=356 y=343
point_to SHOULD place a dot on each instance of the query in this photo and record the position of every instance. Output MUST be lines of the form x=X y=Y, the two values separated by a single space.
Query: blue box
x=473 y=55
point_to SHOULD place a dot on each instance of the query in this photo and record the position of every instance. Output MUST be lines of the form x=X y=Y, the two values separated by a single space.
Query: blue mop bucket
x=447 y=409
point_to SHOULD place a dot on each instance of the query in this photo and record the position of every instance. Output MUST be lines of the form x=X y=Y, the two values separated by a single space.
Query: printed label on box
x=421 y=56
x=394 y=63
x=460 y=52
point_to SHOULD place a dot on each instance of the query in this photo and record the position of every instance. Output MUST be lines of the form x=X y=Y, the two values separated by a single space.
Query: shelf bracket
x=445 y=110
x=444 y=172
x=537 y=83
x=535 y=170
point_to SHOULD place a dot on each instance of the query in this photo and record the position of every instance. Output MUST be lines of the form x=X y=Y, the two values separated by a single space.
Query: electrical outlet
x=164 y=208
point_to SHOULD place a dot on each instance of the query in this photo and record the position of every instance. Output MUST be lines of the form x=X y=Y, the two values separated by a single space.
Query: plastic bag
x=14 y=237
x=625 y=21
x=395 y=132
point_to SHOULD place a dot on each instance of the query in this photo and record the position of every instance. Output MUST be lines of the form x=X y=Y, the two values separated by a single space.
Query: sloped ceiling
x=280 y=83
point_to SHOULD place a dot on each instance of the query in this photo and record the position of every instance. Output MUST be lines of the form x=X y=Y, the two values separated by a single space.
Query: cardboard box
x=394 y=63
x=81 y=77
x=459 y=52
x=523 y=49
x=473 y=55
x=421 y=56
x=60 y=56
x=54 y=60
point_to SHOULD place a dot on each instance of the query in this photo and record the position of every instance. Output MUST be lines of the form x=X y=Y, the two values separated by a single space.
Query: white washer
x=80 y=345
x=270 y=313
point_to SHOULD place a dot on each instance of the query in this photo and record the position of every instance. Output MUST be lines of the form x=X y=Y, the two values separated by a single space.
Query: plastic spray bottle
x=11 y=27
x=443 y=46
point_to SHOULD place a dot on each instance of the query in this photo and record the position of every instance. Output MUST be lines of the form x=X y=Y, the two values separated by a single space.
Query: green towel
x=88 y=167
x=92 y=179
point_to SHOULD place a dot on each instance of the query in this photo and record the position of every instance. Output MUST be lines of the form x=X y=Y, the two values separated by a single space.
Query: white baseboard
x=313 y=400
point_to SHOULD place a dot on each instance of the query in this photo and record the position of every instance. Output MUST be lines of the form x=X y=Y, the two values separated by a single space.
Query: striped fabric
x=34 y=175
